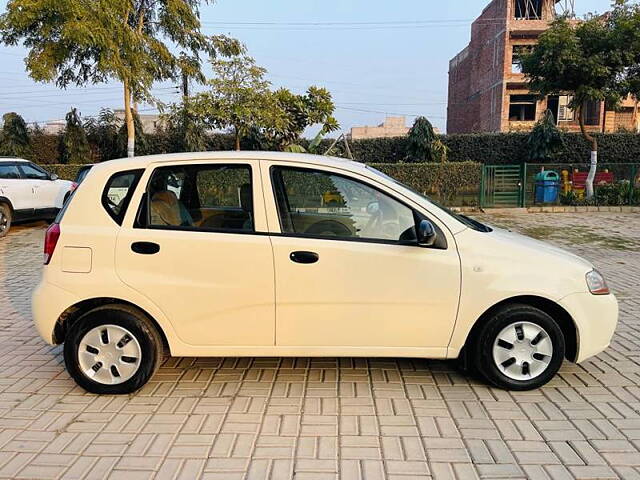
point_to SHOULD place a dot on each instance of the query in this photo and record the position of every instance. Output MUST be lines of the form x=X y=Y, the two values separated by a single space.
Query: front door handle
x=145 y=248
x=305 y=258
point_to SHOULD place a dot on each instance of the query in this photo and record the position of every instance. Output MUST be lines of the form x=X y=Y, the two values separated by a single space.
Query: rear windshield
x=118 y=192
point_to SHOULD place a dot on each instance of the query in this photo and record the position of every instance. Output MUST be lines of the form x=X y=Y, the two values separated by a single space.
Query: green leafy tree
x=74 y=140
x=581 y=59
x=102 y=133
x=423 y=144
x=315 y=107
x=73 y=42
x=185 y=129
x=239 y=98
x=142 y=139
x=545 y=139
x=14 y=137
x=625 y=24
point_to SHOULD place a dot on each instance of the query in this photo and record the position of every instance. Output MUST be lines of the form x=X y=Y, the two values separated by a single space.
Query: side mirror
x=53 y=177
x=427 y=234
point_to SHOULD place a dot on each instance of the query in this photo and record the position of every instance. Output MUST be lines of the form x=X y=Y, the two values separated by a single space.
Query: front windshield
x=466 y=221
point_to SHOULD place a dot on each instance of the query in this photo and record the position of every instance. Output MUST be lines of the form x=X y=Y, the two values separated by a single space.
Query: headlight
x=596 y=283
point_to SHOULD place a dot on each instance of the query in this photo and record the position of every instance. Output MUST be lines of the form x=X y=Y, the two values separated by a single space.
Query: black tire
x=126 y=317
x=6 y=215
x=482 y=358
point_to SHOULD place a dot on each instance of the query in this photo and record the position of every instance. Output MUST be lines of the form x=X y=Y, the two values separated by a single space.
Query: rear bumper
x=47 y=304
x=596 y=318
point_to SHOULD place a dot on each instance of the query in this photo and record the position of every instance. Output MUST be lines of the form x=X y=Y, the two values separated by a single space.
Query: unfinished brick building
x=487 y=90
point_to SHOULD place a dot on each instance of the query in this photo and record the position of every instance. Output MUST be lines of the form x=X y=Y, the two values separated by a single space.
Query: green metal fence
x=616 y=184
x=502 y=186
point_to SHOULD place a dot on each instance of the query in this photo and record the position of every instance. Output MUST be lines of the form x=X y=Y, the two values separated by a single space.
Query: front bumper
x=596 y=318
x=47 y=304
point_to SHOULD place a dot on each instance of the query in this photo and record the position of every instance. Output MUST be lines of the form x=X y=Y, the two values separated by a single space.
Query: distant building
x=391 y=127
x=487 y=90
x=150 y=123
x=54 y=127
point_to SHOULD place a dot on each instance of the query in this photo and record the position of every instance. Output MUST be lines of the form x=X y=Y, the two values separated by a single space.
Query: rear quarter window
x=118 y=192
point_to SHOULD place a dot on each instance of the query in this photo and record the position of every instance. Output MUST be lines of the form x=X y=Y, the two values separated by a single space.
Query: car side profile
x=28 y=192
x=276 y=254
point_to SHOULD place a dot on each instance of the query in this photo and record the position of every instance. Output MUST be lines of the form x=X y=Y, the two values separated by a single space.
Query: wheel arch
x=551 y=308
x=6 y=201
x=74 y=312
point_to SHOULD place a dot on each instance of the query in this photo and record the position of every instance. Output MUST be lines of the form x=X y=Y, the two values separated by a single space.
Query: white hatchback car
x=28 y=192
x=272 y=254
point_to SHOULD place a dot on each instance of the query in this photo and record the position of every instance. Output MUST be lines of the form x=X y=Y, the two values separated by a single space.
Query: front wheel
x=113 y=349
x=5 y=219
x=519 y=348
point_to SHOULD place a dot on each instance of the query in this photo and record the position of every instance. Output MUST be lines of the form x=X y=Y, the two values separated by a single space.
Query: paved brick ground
x=326 y=418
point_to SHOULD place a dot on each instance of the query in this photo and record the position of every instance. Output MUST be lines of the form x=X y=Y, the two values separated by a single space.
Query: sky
x=376 y=57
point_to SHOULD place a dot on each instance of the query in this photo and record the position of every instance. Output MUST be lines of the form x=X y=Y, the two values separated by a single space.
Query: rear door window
x=118 y=192
x=8 y=171
x=201 y=197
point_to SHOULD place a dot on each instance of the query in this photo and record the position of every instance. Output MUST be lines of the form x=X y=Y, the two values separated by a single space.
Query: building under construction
x=487 y=90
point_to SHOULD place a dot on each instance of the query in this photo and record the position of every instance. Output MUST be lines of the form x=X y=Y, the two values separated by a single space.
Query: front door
x=348 y=269
x=195 y=254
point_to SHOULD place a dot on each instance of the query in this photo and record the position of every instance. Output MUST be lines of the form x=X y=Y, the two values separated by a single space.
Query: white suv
x=27 y=192
x=271 y=254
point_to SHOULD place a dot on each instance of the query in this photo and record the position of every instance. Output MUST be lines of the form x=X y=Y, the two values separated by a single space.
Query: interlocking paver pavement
x=280 y=418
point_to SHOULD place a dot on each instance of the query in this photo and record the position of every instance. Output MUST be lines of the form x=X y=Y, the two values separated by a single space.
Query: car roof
x=144 y=161
x=13 y=159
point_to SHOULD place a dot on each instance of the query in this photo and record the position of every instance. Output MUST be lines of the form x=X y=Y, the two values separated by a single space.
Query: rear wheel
x=113 y=349
x=519 y=348
x=5 y=219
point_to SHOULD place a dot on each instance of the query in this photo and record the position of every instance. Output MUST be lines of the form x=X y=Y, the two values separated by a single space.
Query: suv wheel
x=519 y=348
x=113 y=349
x=5 y=219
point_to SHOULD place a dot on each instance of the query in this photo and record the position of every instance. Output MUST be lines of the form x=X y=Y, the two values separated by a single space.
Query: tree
x=74 y=140
x=185 y=128
x=14 y=137
x=580 y=59
x=545 y=139
x=423 y=143
x=102 y=133
x=315 y=107
x=239 y=98
x=131 y=41
x=625 y=23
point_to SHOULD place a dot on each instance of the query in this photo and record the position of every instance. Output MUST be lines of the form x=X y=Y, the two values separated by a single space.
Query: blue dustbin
x=547 y=187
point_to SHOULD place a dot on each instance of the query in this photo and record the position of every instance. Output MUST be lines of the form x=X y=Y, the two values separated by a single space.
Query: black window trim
x=275 y=182
x=142 y=215
x=119 y=218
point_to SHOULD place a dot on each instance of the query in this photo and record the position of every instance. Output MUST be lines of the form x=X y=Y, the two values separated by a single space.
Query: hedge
x=488 y=148
x=451 y=183
x=498 y=148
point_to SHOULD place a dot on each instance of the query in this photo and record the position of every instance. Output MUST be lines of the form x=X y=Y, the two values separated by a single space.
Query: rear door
x=15 y=189
x=195 y=252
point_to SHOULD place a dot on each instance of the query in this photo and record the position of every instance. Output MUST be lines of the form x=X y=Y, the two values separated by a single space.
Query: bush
x=450 y=183
x=66 y=172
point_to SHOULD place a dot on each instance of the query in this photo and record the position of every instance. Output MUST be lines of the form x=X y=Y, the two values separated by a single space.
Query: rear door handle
x=145 y=248
x=305 y=258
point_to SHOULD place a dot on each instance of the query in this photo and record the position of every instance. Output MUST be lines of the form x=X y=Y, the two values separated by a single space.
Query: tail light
x=74 y=185
x=50 y=241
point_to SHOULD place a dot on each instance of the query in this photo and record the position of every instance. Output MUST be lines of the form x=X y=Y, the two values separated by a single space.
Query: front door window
x=326 y=205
